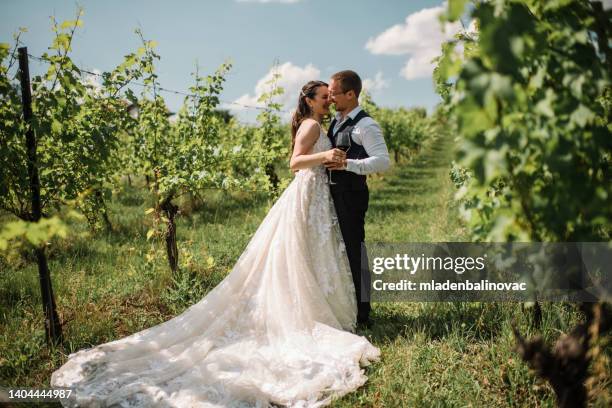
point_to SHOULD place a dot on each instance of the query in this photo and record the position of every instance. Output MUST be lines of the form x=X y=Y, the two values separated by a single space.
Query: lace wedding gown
x=275 y=331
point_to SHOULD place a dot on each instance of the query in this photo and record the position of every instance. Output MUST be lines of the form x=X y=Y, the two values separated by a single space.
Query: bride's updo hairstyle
x=303 y=111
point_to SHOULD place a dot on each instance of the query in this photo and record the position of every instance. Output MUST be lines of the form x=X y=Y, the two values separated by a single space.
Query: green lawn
x=433 y=354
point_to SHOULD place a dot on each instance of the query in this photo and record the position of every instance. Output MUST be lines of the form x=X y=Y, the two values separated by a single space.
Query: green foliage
x=201 y=149
x=455 y=9
x=88 y=141
x=74 y=122
x=404 y=130
x=271 y=135
x=531 y=103
x=260 y=152
x=184 y=290
x=36 y=233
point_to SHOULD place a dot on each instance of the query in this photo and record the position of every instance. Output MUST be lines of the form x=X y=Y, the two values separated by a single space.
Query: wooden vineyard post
x=53 y=328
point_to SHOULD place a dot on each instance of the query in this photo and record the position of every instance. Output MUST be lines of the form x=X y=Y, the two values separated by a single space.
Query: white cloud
x=606 y=4
x=268 y=1
x=420 y=37
x=376 y=84
x=292 y=78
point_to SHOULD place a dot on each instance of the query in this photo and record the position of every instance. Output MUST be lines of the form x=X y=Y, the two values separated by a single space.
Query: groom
x=368 y=154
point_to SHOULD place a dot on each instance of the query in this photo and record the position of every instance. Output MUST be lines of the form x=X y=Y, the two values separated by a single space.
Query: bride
x=278 y=330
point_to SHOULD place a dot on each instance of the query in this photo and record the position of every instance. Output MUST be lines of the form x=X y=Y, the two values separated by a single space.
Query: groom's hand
x=335 y=159
x=340 y=165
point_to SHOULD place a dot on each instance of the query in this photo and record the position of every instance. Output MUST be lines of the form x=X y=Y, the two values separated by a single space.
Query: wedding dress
x=275 y=331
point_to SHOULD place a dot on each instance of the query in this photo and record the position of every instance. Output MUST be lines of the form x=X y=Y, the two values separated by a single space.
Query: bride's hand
x=334 y=156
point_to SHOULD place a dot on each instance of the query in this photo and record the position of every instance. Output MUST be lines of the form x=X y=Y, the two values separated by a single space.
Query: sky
x=390 y=43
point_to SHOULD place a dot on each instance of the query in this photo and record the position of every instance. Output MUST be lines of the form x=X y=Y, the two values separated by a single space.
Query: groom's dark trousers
x=351 y=196
x=351 y=207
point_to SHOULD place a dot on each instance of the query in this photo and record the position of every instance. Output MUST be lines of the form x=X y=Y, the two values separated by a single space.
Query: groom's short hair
x=349 y=81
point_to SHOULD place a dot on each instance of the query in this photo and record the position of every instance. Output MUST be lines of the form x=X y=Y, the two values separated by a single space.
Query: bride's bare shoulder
x=309 y=127
x=308 y=123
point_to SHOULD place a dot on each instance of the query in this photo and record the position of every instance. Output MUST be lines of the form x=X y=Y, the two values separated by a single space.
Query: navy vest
x=348 y=179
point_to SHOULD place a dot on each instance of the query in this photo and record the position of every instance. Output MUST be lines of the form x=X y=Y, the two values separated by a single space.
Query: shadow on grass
x=406 y=190
x=66 y=250
x=222 y=207
x=385 y=207
x=437 y=321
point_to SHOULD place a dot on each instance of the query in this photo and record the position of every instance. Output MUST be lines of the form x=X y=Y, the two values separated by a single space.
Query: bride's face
x=320 y=103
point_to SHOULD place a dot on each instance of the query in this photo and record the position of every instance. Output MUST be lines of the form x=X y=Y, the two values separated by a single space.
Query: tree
x=70 y=132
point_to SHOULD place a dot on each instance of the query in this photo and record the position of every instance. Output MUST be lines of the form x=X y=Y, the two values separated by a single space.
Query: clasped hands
x=335 y=159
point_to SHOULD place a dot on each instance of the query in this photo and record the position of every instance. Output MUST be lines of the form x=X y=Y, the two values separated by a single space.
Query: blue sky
x=389 y=43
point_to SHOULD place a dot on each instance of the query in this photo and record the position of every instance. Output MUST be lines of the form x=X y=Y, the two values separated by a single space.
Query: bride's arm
x=306 y=137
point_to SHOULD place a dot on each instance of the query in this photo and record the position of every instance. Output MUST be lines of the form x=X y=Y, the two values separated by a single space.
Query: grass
x=109 y=285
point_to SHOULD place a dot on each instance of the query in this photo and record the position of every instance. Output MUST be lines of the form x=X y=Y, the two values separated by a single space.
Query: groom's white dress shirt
x=368 y=134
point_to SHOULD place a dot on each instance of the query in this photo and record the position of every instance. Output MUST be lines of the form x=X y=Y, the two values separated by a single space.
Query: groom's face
x=341 y=99
x=337 y=96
